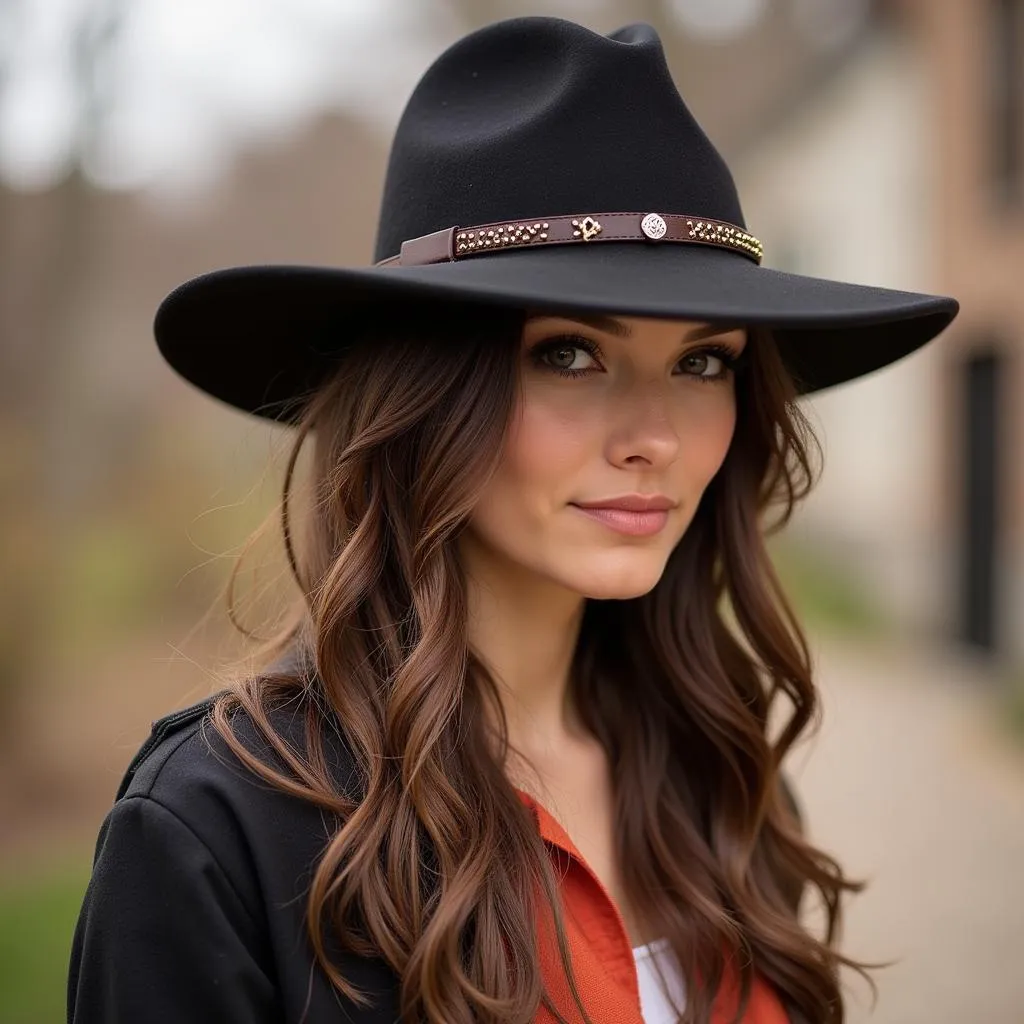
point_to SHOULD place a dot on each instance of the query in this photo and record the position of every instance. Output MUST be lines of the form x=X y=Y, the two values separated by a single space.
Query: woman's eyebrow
x=710 y=331
x=613 y=326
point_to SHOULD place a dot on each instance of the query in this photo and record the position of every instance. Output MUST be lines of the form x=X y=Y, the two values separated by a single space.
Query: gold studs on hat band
x=725 y=234
x=458 y=243
x=586 y=229
x=510 y=234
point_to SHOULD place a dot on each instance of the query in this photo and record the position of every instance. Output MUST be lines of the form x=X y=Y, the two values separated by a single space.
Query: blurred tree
x=44 y=244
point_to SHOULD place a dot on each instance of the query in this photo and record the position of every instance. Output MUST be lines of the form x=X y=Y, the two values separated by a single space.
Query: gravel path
x=912 y=786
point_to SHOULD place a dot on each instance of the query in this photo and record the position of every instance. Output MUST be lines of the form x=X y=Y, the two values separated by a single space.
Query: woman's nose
x=643 y=429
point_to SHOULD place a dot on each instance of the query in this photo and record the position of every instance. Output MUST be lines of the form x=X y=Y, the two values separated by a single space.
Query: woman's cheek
x=552 y=436
x=706 y=430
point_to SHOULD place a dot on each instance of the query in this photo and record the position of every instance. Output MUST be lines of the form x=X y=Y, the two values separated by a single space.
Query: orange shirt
x=602 y=956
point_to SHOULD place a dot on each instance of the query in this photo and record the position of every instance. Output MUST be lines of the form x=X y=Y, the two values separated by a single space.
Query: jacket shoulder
x=165 y=736
x=189 y=768
x=184 y=748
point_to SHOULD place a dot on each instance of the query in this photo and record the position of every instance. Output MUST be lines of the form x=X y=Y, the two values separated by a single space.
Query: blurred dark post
x=43 y=264
x=982 y=456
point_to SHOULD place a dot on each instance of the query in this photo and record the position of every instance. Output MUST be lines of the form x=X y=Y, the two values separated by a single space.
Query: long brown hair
x=435 y=865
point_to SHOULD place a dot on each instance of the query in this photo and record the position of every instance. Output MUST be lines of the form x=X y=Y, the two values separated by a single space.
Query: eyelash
x=730 y=359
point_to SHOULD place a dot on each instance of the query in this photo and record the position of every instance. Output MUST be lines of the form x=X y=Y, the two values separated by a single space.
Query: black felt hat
x=539 y=164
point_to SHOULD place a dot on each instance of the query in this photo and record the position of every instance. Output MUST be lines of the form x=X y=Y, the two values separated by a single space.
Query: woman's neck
x=524 y=629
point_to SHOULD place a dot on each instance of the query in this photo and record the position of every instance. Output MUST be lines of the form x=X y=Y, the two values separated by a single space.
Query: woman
x=511 y=760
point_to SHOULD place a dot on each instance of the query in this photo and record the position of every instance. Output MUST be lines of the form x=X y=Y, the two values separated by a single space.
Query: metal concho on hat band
x=457 y=243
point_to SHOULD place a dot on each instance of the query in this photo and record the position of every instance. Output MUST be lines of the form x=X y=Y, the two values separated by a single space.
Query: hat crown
x=532 y=117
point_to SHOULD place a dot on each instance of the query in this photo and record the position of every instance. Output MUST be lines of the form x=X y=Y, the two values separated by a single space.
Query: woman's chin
x=620 y=584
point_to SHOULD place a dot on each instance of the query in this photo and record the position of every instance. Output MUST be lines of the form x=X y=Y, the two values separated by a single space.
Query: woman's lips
x=636 y=524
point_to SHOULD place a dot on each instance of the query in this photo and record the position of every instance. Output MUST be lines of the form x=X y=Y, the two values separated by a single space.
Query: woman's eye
x=697 y=362
x=720 y=360
x=569 y=358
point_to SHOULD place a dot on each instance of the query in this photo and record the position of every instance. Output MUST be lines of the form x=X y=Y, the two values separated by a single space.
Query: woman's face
x=608 y=408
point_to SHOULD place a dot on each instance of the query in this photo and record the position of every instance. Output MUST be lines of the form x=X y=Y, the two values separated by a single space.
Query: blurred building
x=902 y=164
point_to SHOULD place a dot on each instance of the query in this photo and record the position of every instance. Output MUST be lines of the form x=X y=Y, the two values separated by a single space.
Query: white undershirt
x=655 y=1008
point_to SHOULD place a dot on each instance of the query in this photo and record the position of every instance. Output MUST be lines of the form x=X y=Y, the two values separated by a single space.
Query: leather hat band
x=458 y=243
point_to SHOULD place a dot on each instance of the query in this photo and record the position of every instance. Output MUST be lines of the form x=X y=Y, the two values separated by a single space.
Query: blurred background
x=881 y=142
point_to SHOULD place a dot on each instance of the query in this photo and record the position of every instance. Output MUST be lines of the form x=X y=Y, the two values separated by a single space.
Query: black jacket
x=194 y=912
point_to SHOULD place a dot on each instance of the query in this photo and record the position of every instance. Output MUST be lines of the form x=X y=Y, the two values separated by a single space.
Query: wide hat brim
x=260 y=337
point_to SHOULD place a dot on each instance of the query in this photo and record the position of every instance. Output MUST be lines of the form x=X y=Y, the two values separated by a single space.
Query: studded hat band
x=457 y=243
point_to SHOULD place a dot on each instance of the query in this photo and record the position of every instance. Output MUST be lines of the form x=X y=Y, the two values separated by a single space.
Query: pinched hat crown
x=538 y=116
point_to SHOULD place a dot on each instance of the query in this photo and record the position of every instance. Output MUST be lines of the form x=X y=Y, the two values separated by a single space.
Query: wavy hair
x=435 y=865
